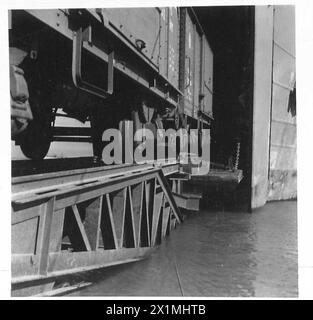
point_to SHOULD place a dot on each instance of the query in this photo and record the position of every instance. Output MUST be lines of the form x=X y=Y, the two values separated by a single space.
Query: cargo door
x=189 y=67
x=197 y=72
x=283 y=167
x=207 y=77
x=138 y=24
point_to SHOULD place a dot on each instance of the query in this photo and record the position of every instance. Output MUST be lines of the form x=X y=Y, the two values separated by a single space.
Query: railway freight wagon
x=152 y=66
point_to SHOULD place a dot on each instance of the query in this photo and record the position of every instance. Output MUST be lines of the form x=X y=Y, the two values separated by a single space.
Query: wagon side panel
x=139 y=24
x=208 y=77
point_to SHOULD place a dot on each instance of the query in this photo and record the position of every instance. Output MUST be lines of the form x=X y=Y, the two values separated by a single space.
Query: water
x=215 y=254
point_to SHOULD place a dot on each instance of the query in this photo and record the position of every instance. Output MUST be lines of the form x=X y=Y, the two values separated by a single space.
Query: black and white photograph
x=152 y=150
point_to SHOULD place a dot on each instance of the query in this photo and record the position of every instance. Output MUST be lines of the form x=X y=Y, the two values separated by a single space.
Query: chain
x=237 y=156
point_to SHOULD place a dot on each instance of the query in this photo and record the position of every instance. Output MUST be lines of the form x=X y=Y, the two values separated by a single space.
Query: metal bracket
x=79 y=37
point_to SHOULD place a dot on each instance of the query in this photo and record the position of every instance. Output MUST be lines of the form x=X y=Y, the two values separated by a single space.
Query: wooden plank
x=158 y=201
x=44 y=238
x=158 y=236
x=172 y=221
x=81 y=227
x=112 y=220
x=166 y=189
x=91 y=211
x=84 y=194
x=118 y=181
x=144 y=231
x=180 y=176
x=63 y=290
x=55 y=180
x=218 y=176
x=24 y=236
x=65 y=263
x=136 y=196
x=174 y=185
x=57 y=231
x=150 y=192
x=107 y=225
x=22 y=213
x=135 y=236
x=118 y=204
x=179 y=186
x=38 y=181
x=166 y=215
x=24 y=265
x=187 y=202
x=129 y=239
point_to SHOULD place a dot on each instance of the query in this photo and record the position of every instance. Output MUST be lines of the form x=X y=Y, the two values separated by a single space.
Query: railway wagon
x=152 y=66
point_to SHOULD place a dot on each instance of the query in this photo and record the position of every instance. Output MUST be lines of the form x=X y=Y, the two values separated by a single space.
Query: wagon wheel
x=35 y=141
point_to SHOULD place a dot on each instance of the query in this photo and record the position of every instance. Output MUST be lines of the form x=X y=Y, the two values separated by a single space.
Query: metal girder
x=76 y=227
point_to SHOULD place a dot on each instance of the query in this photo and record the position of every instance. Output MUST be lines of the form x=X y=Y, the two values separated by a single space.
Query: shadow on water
x=215 y=253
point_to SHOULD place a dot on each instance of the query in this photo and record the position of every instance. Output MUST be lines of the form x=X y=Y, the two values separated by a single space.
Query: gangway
x=75 y=221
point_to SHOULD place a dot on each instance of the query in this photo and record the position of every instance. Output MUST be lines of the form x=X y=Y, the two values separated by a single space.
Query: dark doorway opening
x=230 y=31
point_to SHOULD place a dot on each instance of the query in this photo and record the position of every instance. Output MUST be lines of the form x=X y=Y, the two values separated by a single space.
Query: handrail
x=79 y=37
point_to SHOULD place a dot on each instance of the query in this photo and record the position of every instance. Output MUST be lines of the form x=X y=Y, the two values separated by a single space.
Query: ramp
x=72 y=222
